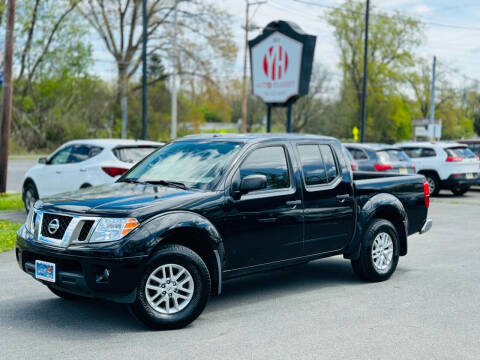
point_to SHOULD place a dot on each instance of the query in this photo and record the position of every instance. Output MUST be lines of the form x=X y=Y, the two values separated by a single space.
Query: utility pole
x=144 y=70
x=7 y=95
x=173 y=126
x=245 y=57
x=431 y=122
x=244 y=79
x=365 y=74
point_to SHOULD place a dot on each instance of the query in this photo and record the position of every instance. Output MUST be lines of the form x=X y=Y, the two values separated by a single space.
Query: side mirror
x=253 y=182
x=42 y=160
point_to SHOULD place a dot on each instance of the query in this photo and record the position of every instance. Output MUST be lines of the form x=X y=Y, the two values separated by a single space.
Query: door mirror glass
x=42 y=160
x=253 y=182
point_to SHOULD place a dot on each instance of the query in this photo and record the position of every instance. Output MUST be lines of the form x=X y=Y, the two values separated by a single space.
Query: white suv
x=446 y=165
x=82 y=163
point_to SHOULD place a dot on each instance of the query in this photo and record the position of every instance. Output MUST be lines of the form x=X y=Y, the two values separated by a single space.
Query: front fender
x=158 y=228
x=384 y=206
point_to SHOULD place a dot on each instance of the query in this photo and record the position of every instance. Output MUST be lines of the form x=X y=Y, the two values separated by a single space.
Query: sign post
x=281 y=64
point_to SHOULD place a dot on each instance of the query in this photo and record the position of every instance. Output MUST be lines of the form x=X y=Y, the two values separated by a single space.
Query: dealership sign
x=281 y=63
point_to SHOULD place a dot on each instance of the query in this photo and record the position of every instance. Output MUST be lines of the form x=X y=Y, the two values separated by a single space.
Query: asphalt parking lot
x=429 y=309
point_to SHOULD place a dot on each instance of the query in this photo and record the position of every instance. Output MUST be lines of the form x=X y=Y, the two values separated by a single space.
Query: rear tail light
x=426 y=194
x=114 y=171
x=454 y=159
x=383 y=167
x=457 y=176
x=414 y=167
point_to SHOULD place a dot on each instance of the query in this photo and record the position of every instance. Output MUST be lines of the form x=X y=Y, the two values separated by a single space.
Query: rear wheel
x=30 y=195
x=378 y=254
x=459 y=191
x=433 y=184
x=174 y=289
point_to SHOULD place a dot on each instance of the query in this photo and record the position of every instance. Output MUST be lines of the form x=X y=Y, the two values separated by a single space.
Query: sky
x=452 y=31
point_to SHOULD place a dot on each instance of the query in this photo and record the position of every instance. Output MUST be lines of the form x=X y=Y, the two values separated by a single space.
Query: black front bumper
x=460 y=182
x=80 y=274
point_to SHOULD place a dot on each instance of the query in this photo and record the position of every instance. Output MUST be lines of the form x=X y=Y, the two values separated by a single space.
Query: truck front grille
x=54 y=226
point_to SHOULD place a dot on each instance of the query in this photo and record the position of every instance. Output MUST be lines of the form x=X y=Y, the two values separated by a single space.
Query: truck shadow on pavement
x=95 y=318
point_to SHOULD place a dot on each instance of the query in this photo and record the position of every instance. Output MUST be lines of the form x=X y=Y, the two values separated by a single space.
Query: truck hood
x=124 y=199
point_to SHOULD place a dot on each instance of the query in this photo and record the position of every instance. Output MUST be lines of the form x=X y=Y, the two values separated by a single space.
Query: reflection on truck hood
x=124 y=199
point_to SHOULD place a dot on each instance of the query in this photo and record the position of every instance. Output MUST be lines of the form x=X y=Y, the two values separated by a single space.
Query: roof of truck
x=255 y=137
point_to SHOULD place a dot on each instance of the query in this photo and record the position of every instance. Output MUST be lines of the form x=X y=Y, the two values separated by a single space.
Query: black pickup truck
x=207 y=208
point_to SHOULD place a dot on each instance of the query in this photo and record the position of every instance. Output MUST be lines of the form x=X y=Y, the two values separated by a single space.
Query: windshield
x=133 y=154
x=392 y=155
x=193 y=163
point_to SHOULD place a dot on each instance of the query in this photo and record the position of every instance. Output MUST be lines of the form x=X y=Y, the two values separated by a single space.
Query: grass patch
x=8 y=234
x=11 y=202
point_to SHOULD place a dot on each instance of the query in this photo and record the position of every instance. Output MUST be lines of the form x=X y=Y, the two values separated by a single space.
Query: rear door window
x=133 y=154
x=392 y=155
x=312 y=165
x=358 y=154
x=329 y=160
x=271 y=162
x=83 y=152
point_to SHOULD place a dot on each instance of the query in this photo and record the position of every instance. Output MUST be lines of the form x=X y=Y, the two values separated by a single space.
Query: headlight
x=30 y=223
x=112 y=229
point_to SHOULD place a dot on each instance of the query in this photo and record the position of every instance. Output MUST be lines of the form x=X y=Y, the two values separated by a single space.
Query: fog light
x=104 y=276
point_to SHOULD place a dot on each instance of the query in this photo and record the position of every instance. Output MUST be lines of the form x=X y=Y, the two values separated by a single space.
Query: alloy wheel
x=382 y=252
x=169 y=288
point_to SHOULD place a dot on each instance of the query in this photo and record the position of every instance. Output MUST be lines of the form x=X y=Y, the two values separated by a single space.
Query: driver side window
x=271 y=162
x=61 y=157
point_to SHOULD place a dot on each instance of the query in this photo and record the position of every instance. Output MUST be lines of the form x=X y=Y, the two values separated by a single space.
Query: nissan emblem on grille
x=53 y=226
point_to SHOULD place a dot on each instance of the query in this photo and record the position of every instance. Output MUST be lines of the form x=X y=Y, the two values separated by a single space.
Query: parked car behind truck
x=207 y=208
x=446 y=165
x=381 y=157
x=82 y=163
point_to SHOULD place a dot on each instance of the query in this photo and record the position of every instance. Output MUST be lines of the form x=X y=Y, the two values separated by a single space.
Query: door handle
x=293 y=203
x=83 y=170
x=58 y=172
x=343 y=198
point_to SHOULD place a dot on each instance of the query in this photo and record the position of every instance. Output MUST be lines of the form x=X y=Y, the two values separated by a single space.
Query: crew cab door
x=329 y=219
x=265 y=225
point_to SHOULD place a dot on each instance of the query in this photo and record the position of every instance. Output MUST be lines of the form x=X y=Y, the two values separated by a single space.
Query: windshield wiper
x=131 y=181
x=167 y=183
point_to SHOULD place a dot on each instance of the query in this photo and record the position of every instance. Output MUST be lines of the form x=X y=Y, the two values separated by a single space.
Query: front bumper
x=461 y=181
x=426 y=226
x=81 y=274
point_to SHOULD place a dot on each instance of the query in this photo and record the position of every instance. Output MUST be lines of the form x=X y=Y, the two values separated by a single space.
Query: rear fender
x=382 y=206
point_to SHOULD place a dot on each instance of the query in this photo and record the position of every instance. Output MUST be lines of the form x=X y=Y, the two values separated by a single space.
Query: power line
x=463 y=27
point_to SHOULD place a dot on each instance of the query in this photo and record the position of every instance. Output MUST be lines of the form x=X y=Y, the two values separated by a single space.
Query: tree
x=117 y=22
x=50 y=49
x=392 y=41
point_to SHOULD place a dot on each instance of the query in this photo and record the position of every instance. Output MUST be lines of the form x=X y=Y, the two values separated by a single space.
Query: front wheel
x=173 y=290
x=433 y=184
x=379 y=253
x=30 y=195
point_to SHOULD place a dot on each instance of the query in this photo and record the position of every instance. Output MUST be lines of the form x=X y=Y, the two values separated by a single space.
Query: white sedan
x=83 y=163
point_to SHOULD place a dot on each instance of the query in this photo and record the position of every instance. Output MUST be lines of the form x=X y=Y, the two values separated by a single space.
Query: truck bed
x=407 y=188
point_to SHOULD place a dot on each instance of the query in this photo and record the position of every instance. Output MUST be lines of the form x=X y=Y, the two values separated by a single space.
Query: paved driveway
x=430 y=309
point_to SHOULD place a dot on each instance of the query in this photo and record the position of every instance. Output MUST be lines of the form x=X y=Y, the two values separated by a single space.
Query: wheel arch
x=380 y=206
x=193 y=231
x=28 y=180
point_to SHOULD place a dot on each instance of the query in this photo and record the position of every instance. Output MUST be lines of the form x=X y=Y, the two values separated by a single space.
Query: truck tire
x=173 y=290
x=379 y=252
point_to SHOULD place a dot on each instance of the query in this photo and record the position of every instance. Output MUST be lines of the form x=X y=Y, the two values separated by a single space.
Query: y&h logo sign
x=276 y=62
